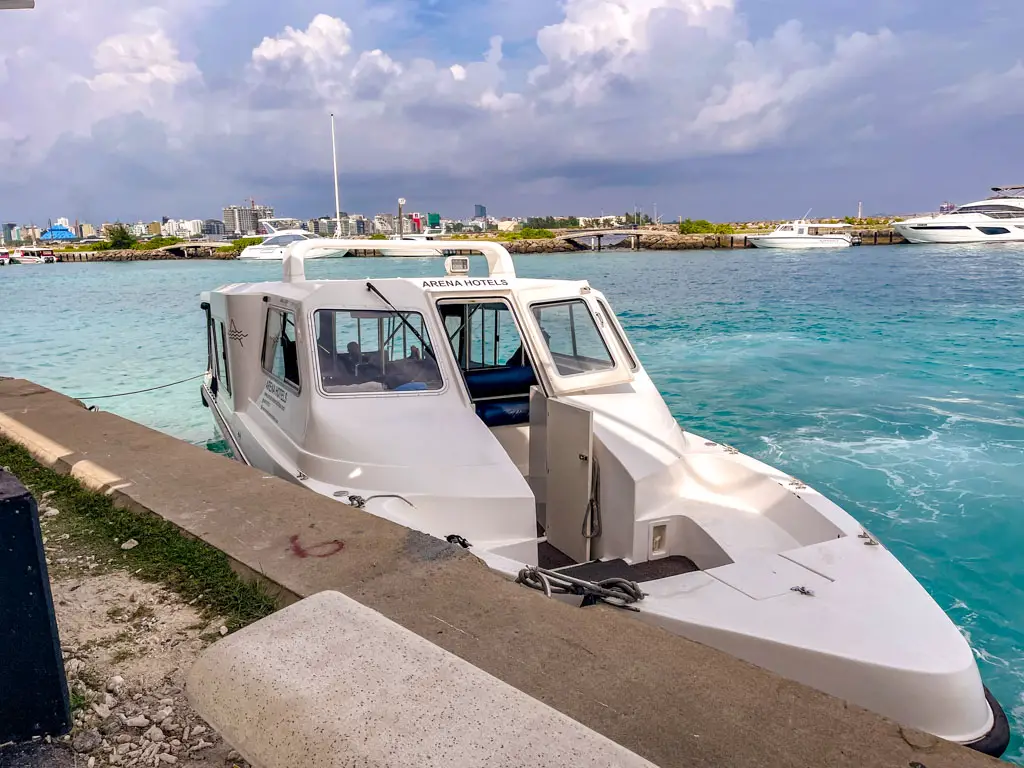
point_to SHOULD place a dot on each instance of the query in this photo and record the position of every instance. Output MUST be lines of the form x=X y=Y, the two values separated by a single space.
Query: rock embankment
x=540 y=246
x=133 y=255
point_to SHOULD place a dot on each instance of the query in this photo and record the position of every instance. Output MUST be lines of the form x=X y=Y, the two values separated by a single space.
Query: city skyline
x=720 y=109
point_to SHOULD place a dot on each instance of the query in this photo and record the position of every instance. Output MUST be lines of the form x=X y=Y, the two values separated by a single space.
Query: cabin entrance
x=496 y=365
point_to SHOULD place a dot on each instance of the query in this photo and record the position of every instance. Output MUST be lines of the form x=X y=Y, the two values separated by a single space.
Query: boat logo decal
x=466 y=283
x=236 y=335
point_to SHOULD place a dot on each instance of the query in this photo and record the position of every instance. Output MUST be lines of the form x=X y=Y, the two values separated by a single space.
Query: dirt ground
x=127 y=646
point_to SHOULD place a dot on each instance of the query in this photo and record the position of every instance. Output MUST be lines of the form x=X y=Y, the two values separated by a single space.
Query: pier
x=671 y=701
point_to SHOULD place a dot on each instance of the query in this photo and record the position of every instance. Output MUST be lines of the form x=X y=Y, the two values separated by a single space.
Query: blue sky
x=724 y=109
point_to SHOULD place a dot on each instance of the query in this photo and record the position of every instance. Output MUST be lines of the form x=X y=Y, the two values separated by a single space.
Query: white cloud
x=318 y=48
x=670 y=79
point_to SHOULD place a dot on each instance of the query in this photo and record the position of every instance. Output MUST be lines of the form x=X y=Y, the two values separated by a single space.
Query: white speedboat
x=801 y=234
x=33 y=255
x=427 y=235
x=277 y=241
x=513 y=417
x=999 y=218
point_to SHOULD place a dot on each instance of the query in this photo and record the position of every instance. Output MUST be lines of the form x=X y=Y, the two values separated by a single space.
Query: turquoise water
x=887 y=377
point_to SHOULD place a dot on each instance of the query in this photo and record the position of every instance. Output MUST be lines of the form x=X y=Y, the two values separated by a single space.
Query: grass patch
x=194 y=570
x=122 y=655
x=77 y=701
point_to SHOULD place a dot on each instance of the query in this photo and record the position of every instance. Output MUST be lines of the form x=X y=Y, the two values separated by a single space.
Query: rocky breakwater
x=547 y=245
x=673 y=241
x=192 y=252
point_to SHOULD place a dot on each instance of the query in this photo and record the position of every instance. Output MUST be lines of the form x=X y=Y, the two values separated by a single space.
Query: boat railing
x=499 y=261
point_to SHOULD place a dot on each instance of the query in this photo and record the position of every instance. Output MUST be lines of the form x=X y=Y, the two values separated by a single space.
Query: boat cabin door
x=561 y=456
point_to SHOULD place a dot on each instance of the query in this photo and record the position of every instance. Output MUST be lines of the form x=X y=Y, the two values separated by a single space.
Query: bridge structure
x=596 y=237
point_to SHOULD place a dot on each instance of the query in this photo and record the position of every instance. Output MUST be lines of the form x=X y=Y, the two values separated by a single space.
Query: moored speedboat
x=512 y=416
x=999 y=218
x=801 y=235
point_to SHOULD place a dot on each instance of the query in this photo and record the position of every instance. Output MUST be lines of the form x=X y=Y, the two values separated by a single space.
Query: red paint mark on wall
x=323 y=549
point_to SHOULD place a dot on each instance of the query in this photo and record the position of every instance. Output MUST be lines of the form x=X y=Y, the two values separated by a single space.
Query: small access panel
x=570 y=443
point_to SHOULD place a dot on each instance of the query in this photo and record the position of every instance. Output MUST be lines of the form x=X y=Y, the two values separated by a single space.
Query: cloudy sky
x=720 y=109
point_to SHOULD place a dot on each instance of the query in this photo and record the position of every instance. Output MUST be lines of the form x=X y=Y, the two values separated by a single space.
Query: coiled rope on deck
x=140 y=391
x=617 y=592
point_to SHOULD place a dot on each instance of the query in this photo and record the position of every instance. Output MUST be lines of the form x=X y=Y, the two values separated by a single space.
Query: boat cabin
x=423 y=383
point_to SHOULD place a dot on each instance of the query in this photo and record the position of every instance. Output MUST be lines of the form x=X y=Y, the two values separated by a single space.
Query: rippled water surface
x=888 y=377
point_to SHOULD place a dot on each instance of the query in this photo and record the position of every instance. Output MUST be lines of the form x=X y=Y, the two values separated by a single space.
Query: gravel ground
x=127 y=645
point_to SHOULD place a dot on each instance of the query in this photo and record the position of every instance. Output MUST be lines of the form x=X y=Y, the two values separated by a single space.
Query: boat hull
x=799 y=243
x=855 y=636
x=944 y=232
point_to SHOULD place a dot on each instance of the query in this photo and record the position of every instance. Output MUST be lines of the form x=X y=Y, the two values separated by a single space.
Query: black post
x=33 y=690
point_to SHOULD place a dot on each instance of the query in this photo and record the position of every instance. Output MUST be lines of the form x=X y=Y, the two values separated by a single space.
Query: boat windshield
x=374 y=351
x=993 y=210
x=572 y=337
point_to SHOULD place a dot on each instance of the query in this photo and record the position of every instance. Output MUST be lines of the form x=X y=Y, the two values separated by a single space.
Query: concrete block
x=330 y=682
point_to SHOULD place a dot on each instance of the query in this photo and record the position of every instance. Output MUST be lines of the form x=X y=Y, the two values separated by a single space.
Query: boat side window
x=572 y=337
x=786 y=228
x=619 y=337
x=224 y=357
x=280 y=355
x=374 y=351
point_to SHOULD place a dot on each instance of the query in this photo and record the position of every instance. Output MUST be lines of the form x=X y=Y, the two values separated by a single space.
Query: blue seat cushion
x=500 y=382
x=503 y=413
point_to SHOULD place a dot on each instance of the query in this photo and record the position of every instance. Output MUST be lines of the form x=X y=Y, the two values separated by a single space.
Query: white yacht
x=513 y=417
x=999 y=218
x=428 y=234
x=281 y=234
x=801 y=234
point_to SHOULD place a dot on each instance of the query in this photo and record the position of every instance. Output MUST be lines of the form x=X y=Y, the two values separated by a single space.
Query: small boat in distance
x=511 y=416
x=801 y=234
x=998 y=218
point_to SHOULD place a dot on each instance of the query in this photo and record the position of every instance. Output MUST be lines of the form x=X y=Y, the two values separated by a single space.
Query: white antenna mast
x=337 y=197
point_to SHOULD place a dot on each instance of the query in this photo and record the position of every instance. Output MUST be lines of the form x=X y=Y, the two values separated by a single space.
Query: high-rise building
x=384 y=223
x=86 y=230
x=153 y=228
x=479 y=211
x=63 y=222
x=244 y=220
x=214 y=227
x=8 y=233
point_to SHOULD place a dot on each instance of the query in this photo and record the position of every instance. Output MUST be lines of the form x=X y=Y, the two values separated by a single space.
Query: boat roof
x=1011 y=191
x=501 y=276
x=806 y=223
x=281 y=224
x=499 y=261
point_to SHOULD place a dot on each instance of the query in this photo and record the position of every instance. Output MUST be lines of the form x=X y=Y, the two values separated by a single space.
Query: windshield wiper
x=426 y=345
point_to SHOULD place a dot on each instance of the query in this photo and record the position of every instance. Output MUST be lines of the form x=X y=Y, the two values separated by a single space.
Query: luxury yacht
x=513 y=417
x=801 y=234
x=281 y=234
x=998 y=218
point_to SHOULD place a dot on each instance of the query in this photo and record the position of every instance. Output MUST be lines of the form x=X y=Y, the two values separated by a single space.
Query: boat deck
x=598 y=570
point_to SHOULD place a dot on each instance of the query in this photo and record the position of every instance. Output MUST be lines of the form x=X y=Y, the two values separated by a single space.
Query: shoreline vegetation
x=687 y=234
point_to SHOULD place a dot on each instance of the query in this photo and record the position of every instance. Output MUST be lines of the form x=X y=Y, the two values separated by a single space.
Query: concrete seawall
x=669 y=700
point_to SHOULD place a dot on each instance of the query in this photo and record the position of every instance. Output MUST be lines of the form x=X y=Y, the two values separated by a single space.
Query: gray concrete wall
x=672 y=701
